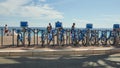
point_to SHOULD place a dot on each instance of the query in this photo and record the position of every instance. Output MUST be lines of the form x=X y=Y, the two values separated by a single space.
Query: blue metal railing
x=62 y=36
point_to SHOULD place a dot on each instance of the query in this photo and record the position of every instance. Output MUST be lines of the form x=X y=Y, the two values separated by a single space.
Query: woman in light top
x=5 y=29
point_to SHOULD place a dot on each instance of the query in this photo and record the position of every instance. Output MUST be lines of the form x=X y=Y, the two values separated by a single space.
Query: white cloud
x=103 y=21
x=80 y=23
x=111 y=18
x=25 y=8
x=78 y=20
x=96 y=23
x=42 y=0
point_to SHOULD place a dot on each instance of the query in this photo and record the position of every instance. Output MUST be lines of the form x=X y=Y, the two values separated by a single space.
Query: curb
x=57 y=52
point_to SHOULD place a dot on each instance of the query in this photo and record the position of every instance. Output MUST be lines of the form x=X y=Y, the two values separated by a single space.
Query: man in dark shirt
x=49 y=28
x=73 y=27
x=73 y=35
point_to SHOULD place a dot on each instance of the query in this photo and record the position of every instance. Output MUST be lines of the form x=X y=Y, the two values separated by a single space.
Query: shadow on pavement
x=90 y=61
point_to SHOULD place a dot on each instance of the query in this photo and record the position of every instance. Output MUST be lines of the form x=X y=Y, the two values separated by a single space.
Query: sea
x=44 y=28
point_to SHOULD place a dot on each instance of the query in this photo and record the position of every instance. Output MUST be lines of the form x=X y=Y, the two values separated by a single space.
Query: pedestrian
x=50 y=26
x=49 y=33
x=73 y=33
x=6 y=30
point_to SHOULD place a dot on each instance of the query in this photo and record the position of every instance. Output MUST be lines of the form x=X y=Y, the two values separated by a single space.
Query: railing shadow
x=90 y=61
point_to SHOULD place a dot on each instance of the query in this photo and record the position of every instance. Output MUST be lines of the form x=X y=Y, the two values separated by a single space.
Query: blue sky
x=38 y=13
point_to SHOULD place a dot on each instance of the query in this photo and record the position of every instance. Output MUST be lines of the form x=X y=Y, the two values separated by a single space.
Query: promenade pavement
x=38 y=51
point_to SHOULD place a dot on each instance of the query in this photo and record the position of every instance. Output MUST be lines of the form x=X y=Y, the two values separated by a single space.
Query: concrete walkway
x=90 y=61
x=34 y=51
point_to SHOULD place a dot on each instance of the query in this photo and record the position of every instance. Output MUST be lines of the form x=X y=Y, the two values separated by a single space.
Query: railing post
x=57 y=36
x=66 y=36
x=34 y=36
x=29 y=37
x=37 y=35
x=88 y=37
x=116 y=38
x=1 y=37
x=96 y=37
x=69 y=36
x=24 y=37
x=18 y=39
x=63 y=38
x=53 y=38
x=13 y=37
x=47 y=37
x=42 y=38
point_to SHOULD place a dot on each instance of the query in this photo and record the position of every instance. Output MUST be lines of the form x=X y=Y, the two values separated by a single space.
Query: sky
x=38 y=13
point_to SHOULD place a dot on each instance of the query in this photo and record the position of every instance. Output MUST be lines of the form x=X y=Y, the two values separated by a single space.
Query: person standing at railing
x=73 y=26
x=73 y=33
x=6 y=31
x=50 y=26
x=49 y=31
